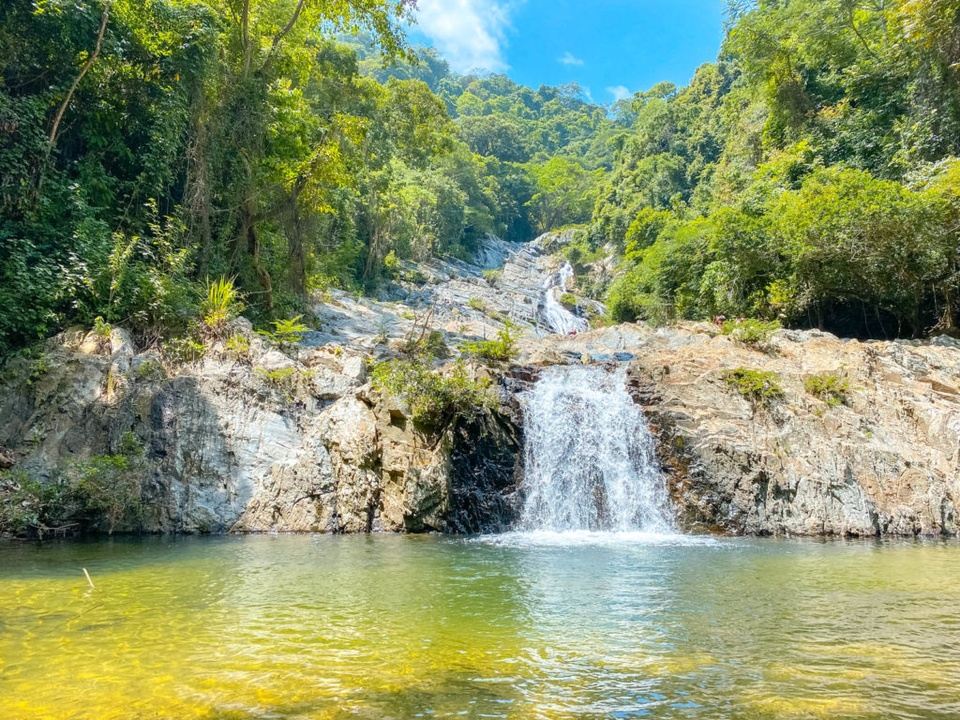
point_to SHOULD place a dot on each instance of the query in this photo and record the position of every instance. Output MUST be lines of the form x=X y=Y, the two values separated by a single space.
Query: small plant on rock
x=288 y=381
x=492 y=276
x=238 y=346
x=435 y=397
x=221 y=305
x=753 y=333
x=831 y=388
x=760 y=387
x=477 y=304
x=102 y=331
x=183 y=350
x=568 y=300
x=502 y=349
x=286 y=333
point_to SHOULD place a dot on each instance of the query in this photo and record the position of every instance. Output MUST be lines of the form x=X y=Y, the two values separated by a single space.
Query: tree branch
x=55 y=130
x=284 y=31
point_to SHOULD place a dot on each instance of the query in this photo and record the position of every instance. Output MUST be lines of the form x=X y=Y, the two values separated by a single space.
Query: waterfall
x=557 y=318
x=590 y=459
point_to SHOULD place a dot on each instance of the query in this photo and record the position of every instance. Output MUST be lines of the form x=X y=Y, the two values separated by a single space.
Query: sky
x=612 y=48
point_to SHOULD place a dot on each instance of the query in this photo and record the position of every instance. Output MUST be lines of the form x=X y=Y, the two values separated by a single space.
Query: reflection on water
x=517 y=626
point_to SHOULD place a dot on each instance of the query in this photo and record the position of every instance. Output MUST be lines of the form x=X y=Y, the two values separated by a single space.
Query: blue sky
x=610 y=47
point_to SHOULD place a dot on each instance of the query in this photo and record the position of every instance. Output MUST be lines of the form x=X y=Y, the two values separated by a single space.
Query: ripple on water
x=590 y=538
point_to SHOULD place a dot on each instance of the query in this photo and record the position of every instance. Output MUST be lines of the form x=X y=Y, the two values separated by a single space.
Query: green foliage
x=831 y=388
x=109 y=491
x=27 y=506
x=426 y=345
x=492 y=276
x=436 y=398
x=288 y=381
x=501 y=350
x=38 y=369
x=564 y=193
x=183 y=350
x=801 y=178
x=102 y=329
x=221 y=305
x=760 y=387
x=149 y=370
x=755 y=333
x=101 y=493
x=286 y=333
x=477 y=304
x=568 y=300
x=238 y=345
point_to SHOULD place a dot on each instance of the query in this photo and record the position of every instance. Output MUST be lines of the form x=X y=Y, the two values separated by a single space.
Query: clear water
x=589 y=625
x=590 y=460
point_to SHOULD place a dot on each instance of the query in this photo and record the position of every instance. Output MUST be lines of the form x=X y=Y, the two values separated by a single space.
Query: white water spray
x=590 y=459
x=557 y=318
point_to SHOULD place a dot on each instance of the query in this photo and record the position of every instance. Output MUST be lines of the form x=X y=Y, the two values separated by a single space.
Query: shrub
x=760 y=387
x=286 y=333
x=38 y=370
x=391 y=263
x=503 y=349
x=477 y=304
x=286 y=380
x=435 y=398
x=183 y=350
x=238 y=345
x=149 y=370
x=568 y=300
x=107 y=488
x=102 y=330
x=220 y=306
x=755 y=333
x=428 y=346
x=492 y=276
x=27 y=506
x=831 y=388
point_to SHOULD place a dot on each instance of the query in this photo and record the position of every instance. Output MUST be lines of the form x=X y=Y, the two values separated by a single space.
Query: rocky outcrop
x=885 y=462
x=298 y=440
x=267 y=442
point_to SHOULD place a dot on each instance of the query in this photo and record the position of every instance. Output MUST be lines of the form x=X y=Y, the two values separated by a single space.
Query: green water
x=410 y=627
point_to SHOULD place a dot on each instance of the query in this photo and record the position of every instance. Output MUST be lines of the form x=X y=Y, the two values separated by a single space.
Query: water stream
x=590 y=462
x=558 y=319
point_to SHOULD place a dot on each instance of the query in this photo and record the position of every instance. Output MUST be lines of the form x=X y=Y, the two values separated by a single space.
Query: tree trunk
x=248 y=224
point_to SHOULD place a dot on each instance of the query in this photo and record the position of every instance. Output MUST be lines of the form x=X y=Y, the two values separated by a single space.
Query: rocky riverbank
x=297 y=439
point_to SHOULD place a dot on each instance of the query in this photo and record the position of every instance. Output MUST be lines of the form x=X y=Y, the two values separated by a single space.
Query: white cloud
x=619 y=92
x=568 y=58
x=470 y=34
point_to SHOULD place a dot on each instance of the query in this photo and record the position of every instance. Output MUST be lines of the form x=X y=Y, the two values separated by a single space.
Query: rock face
x=269 y=443
x=299 y=441
x=887 y=462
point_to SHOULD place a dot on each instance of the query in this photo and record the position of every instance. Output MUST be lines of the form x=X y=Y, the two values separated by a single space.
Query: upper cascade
x=557 y=318
x=590 y=461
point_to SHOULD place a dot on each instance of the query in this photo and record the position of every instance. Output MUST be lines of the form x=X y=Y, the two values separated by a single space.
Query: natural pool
x=587 y=626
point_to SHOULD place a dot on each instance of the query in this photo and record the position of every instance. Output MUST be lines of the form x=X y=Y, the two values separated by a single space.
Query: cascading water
x=557 y=318
x=590 y=460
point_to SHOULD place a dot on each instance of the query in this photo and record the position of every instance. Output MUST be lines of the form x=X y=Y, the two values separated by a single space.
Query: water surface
x=546 y=625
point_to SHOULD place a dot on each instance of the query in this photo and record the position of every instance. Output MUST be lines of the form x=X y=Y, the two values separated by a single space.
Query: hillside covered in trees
x=148 y=147
x=808 y=176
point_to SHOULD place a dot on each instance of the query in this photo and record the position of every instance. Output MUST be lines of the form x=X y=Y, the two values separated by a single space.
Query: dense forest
x=147 y=149
x=809 y=176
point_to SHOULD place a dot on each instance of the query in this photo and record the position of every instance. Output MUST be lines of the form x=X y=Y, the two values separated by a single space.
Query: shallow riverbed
x=515 y=626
